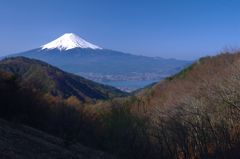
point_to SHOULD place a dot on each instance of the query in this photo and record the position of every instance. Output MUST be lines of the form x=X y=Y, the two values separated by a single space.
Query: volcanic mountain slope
x=69 y=41
x=44 y=78
x=20 y=142
x=73 y=54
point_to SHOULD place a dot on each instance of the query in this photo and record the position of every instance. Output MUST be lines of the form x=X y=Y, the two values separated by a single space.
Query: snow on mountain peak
x=69 y=41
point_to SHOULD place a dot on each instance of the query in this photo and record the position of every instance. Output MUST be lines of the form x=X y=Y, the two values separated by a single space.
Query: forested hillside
x=42 y=77
x=191 y=115
x=195 y=114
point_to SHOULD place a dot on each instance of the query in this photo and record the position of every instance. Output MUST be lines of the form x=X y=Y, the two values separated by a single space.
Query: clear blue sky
x=183 y=29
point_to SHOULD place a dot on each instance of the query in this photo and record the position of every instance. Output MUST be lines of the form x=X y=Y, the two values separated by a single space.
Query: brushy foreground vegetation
x=194 y=114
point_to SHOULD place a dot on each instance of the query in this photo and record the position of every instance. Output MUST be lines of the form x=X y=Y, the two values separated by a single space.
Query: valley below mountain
x=73 y=54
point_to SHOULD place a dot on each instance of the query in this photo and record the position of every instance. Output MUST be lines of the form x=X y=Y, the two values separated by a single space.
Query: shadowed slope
x=20 y=142
x=42 y=77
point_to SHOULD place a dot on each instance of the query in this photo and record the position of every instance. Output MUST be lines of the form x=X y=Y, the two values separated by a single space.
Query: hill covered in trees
x=72 y=120
x=193 y=114
x=42 y=77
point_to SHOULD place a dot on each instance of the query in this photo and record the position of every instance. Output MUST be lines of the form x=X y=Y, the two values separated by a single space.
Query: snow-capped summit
x=69 y=41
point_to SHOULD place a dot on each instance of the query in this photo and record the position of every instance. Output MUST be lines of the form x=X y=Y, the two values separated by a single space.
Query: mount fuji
x=69 y=41
x=122 y=70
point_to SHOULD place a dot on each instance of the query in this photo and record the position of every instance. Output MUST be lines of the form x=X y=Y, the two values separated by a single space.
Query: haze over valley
x=125 y=71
